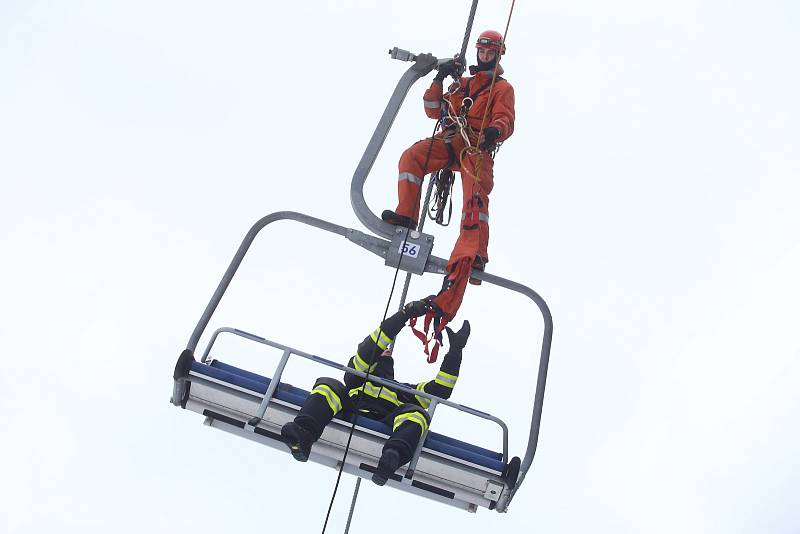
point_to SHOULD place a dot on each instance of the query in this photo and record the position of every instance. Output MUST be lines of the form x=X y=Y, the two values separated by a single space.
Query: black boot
x=398 y=220
x=387 y=465
x=298 y=439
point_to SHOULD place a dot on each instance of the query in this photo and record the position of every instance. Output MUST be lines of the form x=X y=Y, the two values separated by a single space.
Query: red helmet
x=491 y=40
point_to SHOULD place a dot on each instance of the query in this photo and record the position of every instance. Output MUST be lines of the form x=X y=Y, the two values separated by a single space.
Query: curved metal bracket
x=423 y=64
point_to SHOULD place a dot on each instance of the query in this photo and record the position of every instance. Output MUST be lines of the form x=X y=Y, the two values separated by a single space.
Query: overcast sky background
x=650 y=195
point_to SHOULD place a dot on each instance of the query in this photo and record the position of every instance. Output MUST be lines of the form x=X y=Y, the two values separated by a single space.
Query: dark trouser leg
x=328 y=398
x=315 y=415
x=406 y=434
x=408 y=422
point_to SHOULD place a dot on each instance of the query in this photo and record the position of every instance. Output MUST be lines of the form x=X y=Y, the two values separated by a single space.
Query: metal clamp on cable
x=410 y=250
x=459 y=65
x=402 y=55
x=424 y=63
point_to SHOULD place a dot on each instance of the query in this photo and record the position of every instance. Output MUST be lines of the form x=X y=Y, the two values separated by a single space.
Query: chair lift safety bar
x=186 y=373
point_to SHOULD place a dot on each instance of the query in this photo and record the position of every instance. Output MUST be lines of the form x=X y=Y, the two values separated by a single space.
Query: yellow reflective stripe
x=391 y=396
x=376 y=391
x=424 y=402
x=361 y=365
x=332 y=398
x=446 y=379
x=414 y=417
x=384 y=340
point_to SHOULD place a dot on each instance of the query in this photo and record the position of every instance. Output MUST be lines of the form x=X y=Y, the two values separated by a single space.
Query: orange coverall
x=473 y=238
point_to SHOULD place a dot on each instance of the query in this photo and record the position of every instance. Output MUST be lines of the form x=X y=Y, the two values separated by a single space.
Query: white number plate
x=410 y=249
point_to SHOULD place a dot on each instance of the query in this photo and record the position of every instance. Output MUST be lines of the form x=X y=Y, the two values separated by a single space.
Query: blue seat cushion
x=288 y=393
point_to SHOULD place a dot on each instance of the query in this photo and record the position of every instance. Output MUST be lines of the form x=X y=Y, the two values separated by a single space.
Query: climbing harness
x=443 y=181
x=454 y=123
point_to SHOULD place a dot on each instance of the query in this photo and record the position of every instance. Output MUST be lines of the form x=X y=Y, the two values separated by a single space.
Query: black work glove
x=417 y=308
x=490 y=136
x=448 y=68
x=458 y=340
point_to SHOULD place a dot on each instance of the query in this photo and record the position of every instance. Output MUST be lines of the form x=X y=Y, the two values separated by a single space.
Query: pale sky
x=649 y=194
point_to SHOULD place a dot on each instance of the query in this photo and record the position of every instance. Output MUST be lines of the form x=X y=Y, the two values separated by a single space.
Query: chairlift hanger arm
x=423 y=64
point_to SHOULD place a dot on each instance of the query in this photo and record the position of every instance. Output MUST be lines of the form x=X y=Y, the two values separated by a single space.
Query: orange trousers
x=475 y=186
x=477 y=181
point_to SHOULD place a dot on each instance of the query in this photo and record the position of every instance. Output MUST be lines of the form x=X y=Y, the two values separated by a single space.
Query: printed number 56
x=410 y=249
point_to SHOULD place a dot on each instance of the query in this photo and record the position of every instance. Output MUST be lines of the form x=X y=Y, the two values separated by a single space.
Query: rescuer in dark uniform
x=404 y=413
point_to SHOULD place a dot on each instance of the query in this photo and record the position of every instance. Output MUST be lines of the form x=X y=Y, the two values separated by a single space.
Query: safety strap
x=439 y=323
x=479 y=91
x=451 y=154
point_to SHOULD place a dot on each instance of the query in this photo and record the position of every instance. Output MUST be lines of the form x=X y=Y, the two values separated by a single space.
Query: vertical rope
x=357 y=402
x=402 y=302
x=476 y=150
x=496 y=68
x=423 y=212
x=385 y=312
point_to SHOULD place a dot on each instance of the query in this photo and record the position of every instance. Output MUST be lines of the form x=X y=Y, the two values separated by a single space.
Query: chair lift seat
x=449 y=470
x=297 y=396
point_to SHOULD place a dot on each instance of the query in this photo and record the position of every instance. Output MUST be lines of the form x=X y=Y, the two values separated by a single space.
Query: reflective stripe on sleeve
x=360 y=365
x=381 y=339
x=446 y=379
x=423 y=401
x=410 y=177
x=432 y=104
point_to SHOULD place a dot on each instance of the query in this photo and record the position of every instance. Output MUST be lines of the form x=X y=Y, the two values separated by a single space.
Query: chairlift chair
x=255 y=407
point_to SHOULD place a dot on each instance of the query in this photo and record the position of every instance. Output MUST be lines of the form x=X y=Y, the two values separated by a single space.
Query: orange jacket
x=501 y=111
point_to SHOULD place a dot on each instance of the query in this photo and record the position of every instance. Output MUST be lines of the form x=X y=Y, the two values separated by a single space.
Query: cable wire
x=358 y=401
x=385 y=312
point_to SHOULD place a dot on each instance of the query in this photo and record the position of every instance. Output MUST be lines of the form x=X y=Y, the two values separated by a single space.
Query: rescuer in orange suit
x=466 y=101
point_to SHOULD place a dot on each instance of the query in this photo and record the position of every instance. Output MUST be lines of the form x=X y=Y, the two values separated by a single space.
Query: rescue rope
x=366 y=378
x=358 y=401
x=489 y=101
x=464 y=44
